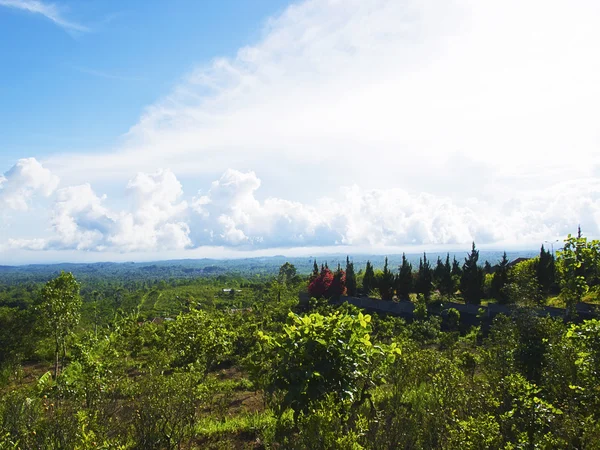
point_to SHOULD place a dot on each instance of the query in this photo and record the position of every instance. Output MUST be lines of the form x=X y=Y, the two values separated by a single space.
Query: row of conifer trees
x=446 y=277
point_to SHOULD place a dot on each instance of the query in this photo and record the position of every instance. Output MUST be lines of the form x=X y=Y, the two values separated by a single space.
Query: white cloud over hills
x=371 y=123
x=230 y=215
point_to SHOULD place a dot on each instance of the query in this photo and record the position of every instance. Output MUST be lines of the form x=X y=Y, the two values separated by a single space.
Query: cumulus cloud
x=82 y=221
x=154 y=221
x=396 y=217
x=230 y=215
x=25 y=179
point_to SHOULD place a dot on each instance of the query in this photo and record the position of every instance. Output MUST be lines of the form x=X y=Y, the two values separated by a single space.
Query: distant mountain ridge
x=190 y=268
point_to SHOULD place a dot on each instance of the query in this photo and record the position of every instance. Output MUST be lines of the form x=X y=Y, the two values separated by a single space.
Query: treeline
x=571 y=275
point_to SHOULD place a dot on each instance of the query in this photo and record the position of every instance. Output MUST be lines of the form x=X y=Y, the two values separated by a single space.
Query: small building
x=514 y=262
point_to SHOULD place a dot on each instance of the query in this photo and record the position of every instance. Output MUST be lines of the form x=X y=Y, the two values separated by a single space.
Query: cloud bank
x=230 y=215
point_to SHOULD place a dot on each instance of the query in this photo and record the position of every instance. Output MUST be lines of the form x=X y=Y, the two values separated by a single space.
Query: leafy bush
x=199 y=338
x=320 y=356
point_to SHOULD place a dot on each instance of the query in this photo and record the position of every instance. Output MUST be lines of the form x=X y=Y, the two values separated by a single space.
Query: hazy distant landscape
x=268 y=266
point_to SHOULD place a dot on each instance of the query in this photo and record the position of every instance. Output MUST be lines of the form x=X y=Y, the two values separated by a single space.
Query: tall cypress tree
x=315 y=272
x=424 y=278
x=386 y=283
x=471 y=281
x=500 y=280
x=404 y=280
x=487 y=267
x=438 y=272
x=446 y=284
x=456 y=269
x=368 y=279
x=545 y=271
x=350 y=278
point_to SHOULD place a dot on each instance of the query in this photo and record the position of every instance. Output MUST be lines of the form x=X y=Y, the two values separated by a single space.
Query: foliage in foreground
x=260 y=374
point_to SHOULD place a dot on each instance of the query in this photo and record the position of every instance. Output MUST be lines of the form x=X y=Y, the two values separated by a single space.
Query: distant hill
x=192 y=268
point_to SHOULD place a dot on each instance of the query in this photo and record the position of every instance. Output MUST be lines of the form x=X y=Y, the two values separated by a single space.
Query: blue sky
x=64 y=89
x=151 y=130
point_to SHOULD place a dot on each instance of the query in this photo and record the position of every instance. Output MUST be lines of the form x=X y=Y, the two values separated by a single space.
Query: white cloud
x=26 y=178
x=230 y=215
x=387 y=94
x=396 y=217
x=48 y=10
x=443 y=121
x=154 y=221
x=82 y=221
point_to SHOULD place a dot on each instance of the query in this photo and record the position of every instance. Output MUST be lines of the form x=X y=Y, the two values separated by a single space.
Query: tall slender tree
x=350 y=278
x=60 y=308
x=315 y=272
x=545 y=271
x=500 y=280
x=487 y=268
x=404 y=279
x=369 y=279
x=438 y=272
x=471 y=281
x=456 y=269
x=446 y=284
x=386 y=282
x=424 y=277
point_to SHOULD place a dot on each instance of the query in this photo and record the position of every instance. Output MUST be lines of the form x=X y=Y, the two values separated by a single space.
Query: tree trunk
x=64 y=354
x=57 y=349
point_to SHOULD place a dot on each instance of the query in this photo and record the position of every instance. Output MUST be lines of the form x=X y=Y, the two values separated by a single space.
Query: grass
x=238 y=432
x=246 y=423
x=556 y=302
x=593 y=296
x=488 y=301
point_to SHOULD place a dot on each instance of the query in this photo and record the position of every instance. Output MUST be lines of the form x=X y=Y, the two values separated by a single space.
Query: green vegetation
x=234 y=361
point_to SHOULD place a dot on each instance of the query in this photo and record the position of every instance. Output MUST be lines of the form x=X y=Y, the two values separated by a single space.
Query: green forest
x=232 y=360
